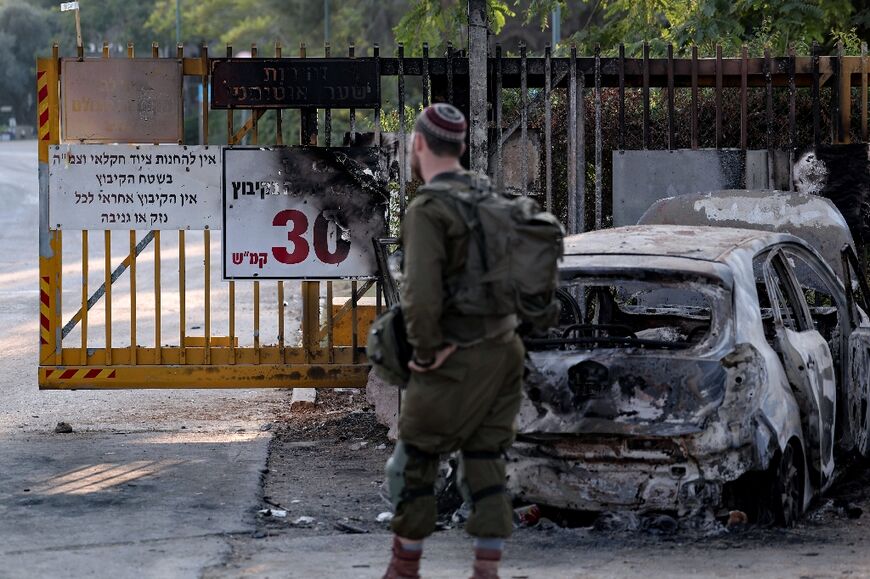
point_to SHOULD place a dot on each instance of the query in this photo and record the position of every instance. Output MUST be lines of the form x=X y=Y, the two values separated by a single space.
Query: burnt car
x=699 y=368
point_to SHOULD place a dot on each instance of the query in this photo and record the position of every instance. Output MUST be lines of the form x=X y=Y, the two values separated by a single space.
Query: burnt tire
x=787 y=486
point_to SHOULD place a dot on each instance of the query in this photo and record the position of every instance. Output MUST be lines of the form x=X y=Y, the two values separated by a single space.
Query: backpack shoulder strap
x=436 y=187
x=468 y=190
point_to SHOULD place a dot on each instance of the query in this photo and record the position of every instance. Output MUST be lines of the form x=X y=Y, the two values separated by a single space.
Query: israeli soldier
x=464 y=390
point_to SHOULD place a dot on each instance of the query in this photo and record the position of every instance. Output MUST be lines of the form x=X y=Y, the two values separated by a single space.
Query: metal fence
x=619 y=103
x=159 y=320
x=161 y=317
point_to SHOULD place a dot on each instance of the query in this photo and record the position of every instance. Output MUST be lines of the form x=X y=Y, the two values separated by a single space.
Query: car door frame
x=857 y=405
x=808 y=363
x=848 y=318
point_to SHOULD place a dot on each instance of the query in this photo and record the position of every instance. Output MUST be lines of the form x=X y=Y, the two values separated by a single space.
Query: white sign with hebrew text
x=134 y=187
x=302 y=212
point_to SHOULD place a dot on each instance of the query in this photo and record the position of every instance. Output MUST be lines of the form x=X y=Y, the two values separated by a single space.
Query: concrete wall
x=640 y=178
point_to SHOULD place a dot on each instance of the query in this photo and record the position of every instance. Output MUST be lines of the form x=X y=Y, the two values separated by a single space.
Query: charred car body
x=700 y=367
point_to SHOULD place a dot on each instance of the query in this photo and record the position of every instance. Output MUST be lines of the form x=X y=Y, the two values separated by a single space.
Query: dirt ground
x=325 y=469
x=328 y=464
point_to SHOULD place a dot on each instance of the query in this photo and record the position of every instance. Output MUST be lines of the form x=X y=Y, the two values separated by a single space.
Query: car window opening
x=827 y=318
x=775 y=301
x=815 y=291
x=625 y=313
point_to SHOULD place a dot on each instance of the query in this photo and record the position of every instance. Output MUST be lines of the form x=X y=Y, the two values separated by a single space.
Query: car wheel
x=787 y=493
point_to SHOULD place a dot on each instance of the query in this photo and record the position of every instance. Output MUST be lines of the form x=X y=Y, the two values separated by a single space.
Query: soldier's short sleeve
x=424 y=242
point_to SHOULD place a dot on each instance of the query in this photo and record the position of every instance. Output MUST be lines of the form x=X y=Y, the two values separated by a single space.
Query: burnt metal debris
x=696 y=369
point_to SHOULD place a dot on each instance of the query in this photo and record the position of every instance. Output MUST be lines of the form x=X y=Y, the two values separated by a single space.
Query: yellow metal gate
x=147 y=310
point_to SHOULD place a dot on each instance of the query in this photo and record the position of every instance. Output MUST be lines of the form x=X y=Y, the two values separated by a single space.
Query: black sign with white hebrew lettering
x=252 y=83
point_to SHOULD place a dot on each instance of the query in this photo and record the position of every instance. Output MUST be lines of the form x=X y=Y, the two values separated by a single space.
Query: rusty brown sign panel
x=121 y=100
x=247 y=83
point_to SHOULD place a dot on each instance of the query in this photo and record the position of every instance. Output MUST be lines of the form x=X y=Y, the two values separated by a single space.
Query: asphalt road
x=150 y=483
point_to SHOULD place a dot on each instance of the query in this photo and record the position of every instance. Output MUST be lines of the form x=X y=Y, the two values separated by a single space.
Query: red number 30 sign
x=299 y=214
x=299 y=248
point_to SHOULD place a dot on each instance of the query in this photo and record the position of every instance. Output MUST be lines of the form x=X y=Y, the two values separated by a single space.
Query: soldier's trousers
x=469 y=404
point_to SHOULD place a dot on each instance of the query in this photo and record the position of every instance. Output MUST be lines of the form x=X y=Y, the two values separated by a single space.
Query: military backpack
x=513 y=253
x=511 y=268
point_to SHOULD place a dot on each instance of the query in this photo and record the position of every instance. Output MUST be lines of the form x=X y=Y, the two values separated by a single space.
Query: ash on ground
x=326 y=470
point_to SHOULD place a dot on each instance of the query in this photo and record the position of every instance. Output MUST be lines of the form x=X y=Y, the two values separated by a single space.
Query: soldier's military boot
x=405 y=563
x=486 y=563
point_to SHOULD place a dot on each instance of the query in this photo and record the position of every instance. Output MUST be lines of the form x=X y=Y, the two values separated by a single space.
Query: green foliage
x=390 y=124
x=114 y=21
x=24 y=31
x=436 y=23
x=849 y=40
x=390 y=119
x=431 y=22
x=243 y=22
x=760 y=24
x=539 y=10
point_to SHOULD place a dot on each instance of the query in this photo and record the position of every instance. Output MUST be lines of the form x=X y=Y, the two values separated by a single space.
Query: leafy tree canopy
x=242 y=22
x=774 y=24
x=761 y=23
x=438 y=22
x=23 y=29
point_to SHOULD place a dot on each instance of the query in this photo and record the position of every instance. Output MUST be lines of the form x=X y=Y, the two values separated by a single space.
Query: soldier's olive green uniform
x=468 y=404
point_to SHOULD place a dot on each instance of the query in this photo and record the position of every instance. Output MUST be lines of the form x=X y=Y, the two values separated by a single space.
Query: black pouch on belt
x=388 y=349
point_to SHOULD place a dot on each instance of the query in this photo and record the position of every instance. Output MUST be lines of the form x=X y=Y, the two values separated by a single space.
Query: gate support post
x=49 y=241
x=845 y=66
x=478 y=31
